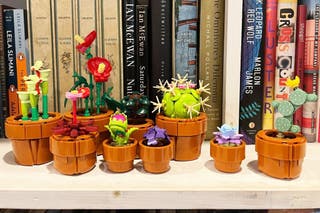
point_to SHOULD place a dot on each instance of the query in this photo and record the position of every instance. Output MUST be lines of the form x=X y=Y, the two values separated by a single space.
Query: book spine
x=129 y=46
x=285 y=52
x=111 y=43
x=311 y=69
x=211 y=58
x=161 y=42
x=232 y=62
x=13 y=100
x=252 y=70
x=3 y=76
x=185 y=40
x=269 y=62
x=64 y=49
x=20 y=46
x=142 y=49
x=299 y=60
x=41 y=43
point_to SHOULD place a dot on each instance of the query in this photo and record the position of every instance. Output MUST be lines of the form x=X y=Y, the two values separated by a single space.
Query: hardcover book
x=185 y=41
x=252 y=69
x=211 y=58
x=143 y=68
x=311 y=69
x=41 y=43
x=111 y=43
x=161 y=46
x=129 y=46
x=269 y=62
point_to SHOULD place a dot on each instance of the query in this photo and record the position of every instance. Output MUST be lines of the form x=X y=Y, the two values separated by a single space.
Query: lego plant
x=99 y=72
x=118 y=128
x=37 y=84
x=287 y=107
x=181 y=98
x=227 y=136
x=156 y=136
x=135 y=106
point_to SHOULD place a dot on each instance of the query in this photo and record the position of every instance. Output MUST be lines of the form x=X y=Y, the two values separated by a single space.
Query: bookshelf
x=187 y=185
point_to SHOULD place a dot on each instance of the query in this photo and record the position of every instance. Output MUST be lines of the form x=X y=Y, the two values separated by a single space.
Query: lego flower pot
x=119 y=158
x=280 y=157
x=142 y=129
x=30 y=139
x=74 y=155
x=187 y=135
x=227 y=158
x=155 y=159
x=100 y=120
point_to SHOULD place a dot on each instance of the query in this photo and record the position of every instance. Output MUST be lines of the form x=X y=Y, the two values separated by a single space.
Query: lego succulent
x=118 y=128
x=287 y=107
x=156 y=136
x=227 y=136
x=181 y=98
x=135 y=106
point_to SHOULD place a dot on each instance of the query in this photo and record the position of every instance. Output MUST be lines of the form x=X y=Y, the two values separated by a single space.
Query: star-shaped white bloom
x=203 y=88
x=191 y=109
x=204 y=103
x=157 y=105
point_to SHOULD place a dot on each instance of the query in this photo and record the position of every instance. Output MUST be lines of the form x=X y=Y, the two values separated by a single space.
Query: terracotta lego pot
x=280 y=157
x=227 y=158
x=156 y=159
x=187 y=135
x=30 y=139
x=74 y=155
x=119 y=158
x=99 y=120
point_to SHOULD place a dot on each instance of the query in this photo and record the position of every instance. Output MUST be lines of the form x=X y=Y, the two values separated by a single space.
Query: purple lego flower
x=227 y=135
x=154 y=133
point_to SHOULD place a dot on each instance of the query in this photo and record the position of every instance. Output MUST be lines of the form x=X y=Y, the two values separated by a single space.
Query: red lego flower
x=100 y=68
x=85 y=91
x=84 y=44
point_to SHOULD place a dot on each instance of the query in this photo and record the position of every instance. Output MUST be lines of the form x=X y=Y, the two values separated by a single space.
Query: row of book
x=279 y=41
x=144 y=40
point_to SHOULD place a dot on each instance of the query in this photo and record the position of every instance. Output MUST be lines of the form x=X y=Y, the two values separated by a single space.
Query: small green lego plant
x=135 y=106
x=181 y=99
x=287 y=107
x=99 y=71
x=37 y=84
x=118 y=128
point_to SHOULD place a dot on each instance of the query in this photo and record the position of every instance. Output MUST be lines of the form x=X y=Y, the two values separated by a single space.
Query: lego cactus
x=30 y=131
x=179 y=113
x=281 y=151
x=227 y=149
x=119 y=151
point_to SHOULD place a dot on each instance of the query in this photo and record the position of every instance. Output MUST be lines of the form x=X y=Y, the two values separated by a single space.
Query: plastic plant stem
x=24 y=109
x=74 y=111
x=98 y=102
x=89 y=56
x=86 y=111
x=34 y=107
x=44 y=88
x=24 y=97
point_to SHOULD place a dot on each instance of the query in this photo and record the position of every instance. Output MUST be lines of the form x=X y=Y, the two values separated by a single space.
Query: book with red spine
x=285 y=51
x=311 y=68
x=299 y=61
x=269 y=62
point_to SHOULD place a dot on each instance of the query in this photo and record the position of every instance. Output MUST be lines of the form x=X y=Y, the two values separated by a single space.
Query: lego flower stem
x=44 y=88
x=98 y=102
x=91 y=86
x=34 y=98
x=25 y=104
x=74 y=111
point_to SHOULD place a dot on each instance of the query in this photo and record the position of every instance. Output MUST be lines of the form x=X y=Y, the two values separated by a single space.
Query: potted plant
x=29 y=132
x=227 y=149
x=136 y=107
x=281 y=150
x=73 y=144
x=156 y=150
x=99 y=72
x=181 y=116
x=119 y=151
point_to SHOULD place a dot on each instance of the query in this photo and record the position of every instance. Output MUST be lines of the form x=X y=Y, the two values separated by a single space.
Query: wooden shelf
x=187 y=185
